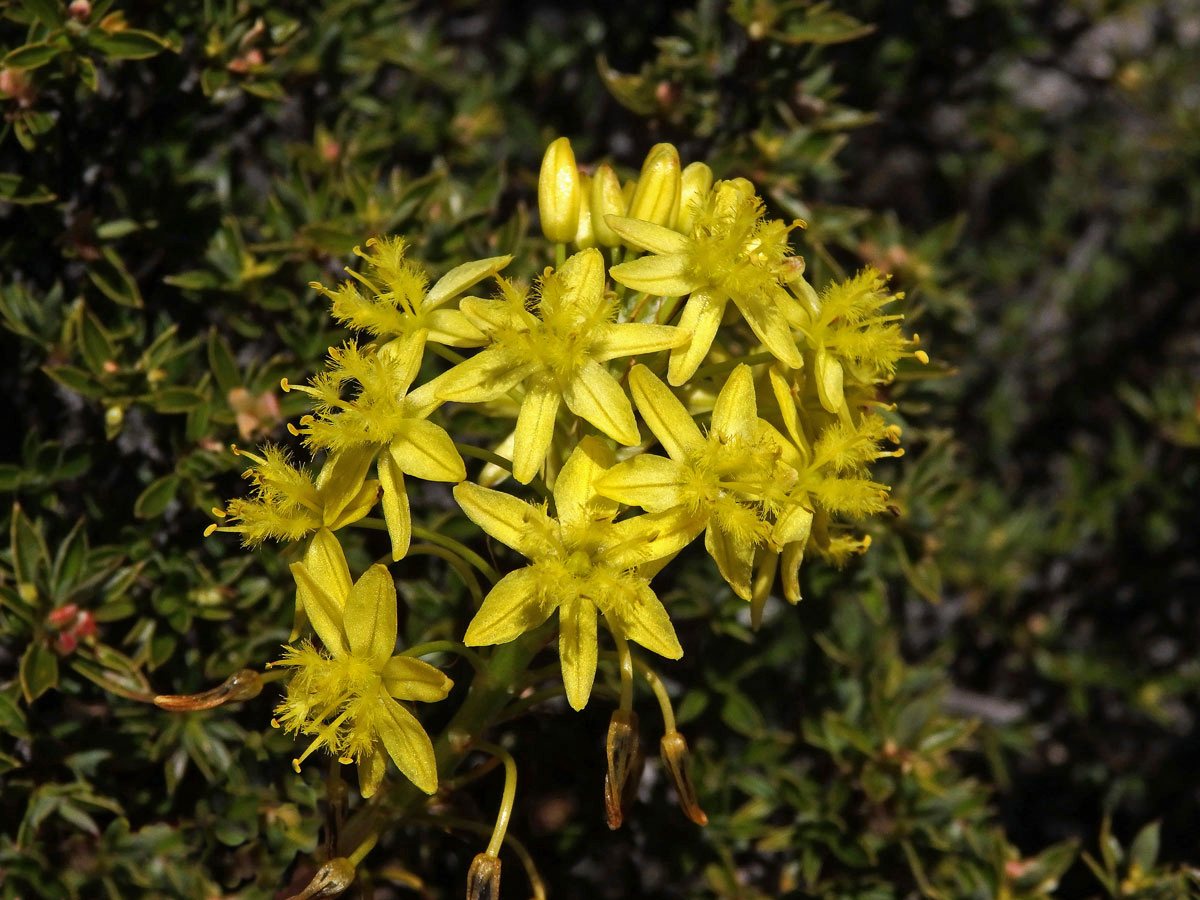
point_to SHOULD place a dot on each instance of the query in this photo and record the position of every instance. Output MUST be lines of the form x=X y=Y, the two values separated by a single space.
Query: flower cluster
x=673 y=375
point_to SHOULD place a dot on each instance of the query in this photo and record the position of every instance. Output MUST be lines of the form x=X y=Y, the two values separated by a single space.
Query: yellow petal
x=770 y=327
x=395 y=505
x=324 y=613
x=370 y=615
x=462 y=277
x=593 y=394
x=491 y=474
x=425 y=451
x=490 y=315
x=648 y=236
x=659 y=276
x=640 y=540
x=403 y=355
x=665 y=415
x=790 y=560
x=605 y=200
x=485 y=376
x=736 y=414
x=524 y=527
x=787 y=409
x=829 y=381
x=420 y=402
x=558 y=192
x=701 y=318
x=406 y=678
x=535 y=428
x=794 y=525
x=364 y=501
x=577 y=649
x=644 y=620
x=583 y=275
x=407 y=744
x=612 y=341
x=656 y=198
x=734 y=556
x=371 y=766
x=652 y=482
x=451 y=328
x=516 y=604
x=341 y=478
x=326 y=563
x=575 y=497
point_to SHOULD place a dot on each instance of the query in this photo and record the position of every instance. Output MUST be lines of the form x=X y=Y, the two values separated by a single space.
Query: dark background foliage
x=995 y=702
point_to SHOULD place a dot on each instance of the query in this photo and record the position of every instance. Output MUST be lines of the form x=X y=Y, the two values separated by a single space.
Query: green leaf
x=75 y=379
x=94 y=342
x=114 y=280
x=129 y=43
x=634 y=92
x=1143 y=852
x=12 y=185
x=154 y=499
x=30 y=555
x=39 y=671
x=220 y=360
x=31 y=56
x=195 y=280
x=48 y=12
x=176 y=399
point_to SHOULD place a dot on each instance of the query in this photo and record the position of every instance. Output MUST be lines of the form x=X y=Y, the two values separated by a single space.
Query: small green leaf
x=114 y=280
x=220 y=360
x=31 y=56
x=94 y=342
x=48 y=12
x=129 y=43
x=1143 y=852
x=154 y=499
x=176 y=399
x=75 y=379
x=39 y=671
x=15 y=189
x=195 y=280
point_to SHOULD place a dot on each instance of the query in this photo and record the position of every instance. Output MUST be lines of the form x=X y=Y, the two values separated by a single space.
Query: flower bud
x=694 y=185
x=241 y=685
x=558 y=192
x=585 y=235
x=483 y=880
x=625 y=760
x=678 y=761
x=330 y=881
x=656 y=198
x=605 y=200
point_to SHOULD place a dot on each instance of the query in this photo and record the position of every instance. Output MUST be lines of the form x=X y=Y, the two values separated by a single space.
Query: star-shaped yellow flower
x=382 y=416
x=731 y=253
x=711 y=482
x=398 y=304
x=346 y=694
x=582 y=562
x=557 y=351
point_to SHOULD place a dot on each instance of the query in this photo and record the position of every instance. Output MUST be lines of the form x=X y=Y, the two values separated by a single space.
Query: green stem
x=506 y=799
x=459 y=548
x=456 y=563
x=538 y=483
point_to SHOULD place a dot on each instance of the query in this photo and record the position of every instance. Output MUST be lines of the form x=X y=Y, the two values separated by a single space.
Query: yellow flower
x=398 y=304
x=287 y=503
x=382 y=416
x=581 y=562
x=711 y=482
x=557 y=350
x=346 y=694
x=731 y=253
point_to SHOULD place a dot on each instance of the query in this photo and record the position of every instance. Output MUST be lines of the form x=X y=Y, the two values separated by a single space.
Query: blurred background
x=999 y=700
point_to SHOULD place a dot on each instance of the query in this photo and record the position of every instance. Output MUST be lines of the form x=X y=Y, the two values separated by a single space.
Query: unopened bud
x=625 y=761
x=605 y=200
x=558 y=193
x=678 y=761
x=330 y=881
x=656 y=198
x=585 y=235
x=483 y=880
x=241 y=685
x=694 y=184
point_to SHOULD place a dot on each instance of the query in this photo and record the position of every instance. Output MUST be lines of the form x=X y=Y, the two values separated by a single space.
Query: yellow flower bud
x=605 y=200
x=558 y=192
x=695 y=183
x=656 y=198
x=585 y=235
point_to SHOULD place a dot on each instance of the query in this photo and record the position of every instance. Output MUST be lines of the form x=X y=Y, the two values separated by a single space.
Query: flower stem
x=506 y=799
x=478 y=663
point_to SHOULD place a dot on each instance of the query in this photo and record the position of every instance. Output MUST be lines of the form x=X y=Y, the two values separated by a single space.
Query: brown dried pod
x=241 y=685
x=678 y=761
x=625 y=761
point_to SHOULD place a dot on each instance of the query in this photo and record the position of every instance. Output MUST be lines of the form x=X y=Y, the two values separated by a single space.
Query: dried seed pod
x=678 y=761
x=331 y=879
x=483 y=879
x=625 y=761
x=243 y=684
